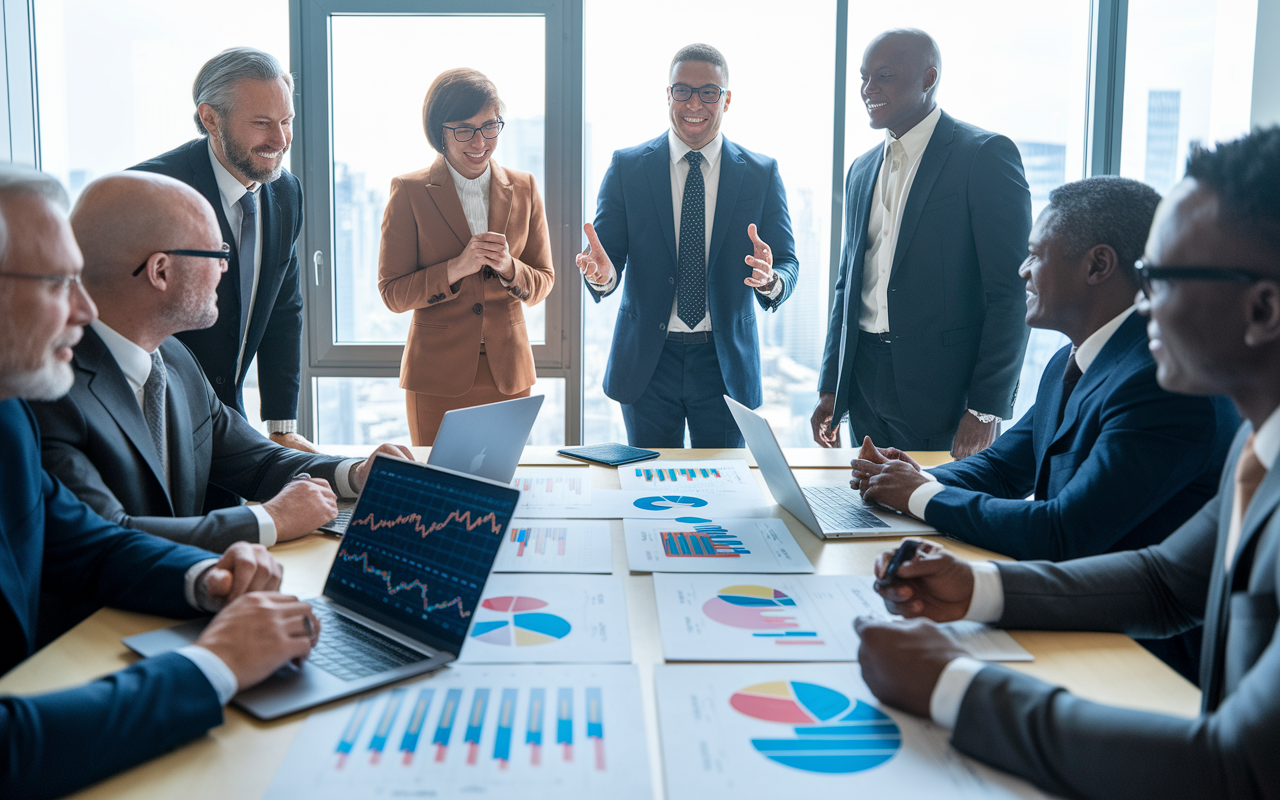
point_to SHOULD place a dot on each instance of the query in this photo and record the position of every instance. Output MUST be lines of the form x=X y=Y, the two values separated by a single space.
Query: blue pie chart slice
x=667 y=502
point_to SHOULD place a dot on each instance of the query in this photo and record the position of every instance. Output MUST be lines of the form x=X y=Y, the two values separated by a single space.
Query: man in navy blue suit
x=700 y=226
x=52 y=543
x=926 y=337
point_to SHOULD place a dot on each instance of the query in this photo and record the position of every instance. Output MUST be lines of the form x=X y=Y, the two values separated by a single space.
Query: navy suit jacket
x=275 y=331
x=636 y=225
x=1129 y=463
x=54 y=743
x=957 y=307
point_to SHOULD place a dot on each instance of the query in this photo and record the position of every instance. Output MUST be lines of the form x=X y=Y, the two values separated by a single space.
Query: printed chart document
x=556 y=545
x=725 y=617
x=549 y=488
x=813 y=731
x=550 y=619
x=665 y=503
x=499 y=732
x=731 y=478
x=713 y=545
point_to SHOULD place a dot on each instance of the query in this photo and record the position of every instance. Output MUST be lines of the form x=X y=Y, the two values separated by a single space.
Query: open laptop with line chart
x=401 y=592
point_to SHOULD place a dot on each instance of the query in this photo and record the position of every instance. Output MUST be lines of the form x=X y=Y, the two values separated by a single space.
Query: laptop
x=401 y=591
x=485 y=441
x=829 y=511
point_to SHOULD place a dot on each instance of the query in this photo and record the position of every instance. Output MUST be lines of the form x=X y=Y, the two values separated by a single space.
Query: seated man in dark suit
x=142 y=434
x=1211 y=276
x=58 y=742
x=1111 y=460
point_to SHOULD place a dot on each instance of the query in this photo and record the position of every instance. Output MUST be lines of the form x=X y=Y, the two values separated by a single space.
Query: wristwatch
x=985 y=419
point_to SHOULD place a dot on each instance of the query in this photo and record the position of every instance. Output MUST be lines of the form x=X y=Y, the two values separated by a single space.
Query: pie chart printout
x=832 y=734
x=523 y=627
x=668 y=501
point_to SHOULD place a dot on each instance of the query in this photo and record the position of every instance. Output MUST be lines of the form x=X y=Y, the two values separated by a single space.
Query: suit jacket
x=423 y=228
x=275 y=330
x=1129 y=463
x=1083 y=749
x=636 y=225
x=57 y=742
x=956 y=304
x=95 y=440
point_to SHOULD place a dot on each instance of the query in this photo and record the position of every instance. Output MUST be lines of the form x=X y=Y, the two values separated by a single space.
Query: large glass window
x=782 y=78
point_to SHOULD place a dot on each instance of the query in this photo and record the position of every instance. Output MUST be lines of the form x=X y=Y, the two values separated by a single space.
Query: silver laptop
x=486 y=441
x=400 y=593
x=828 y=511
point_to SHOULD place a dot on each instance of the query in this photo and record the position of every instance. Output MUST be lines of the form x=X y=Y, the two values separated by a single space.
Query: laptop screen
x=418 y=550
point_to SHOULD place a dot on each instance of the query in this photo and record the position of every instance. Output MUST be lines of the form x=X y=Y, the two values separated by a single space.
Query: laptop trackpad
x=164 y=640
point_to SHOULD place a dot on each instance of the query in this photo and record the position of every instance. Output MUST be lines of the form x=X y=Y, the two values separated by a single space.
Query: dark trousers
x=686 y=386
x=874 y=407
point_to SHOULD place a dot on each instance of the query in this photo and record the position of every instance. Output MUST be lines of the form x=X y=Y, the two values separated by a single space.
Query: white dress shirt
x=710 y=167
x=474 y=195
x=1086 y=354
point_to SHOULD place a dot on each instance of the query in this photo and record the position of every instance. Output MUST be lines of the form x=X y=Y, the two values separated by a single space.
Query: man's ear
x=1263 y=309
x=1103 y=264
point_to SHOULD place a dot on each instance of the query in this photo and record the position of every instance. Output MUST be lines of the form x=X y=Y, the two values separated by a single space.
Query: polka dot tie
x=691 y=261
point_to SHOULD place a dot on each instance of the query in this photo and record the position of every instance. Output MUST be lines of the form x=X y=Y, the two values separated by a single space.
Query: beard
x=242 y=159
x=49 y=382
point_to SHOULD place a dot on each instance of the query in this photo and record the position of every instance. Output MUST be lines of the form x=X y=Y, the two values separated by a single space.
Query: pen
x=906 y=552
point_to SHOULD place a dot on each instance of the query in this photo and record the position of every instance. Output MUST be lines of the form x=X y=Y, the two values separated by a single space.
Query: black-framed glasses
x=465 y=133
x=708 y=94
x=61 y=283
x=221 y=255
x=1148 y=273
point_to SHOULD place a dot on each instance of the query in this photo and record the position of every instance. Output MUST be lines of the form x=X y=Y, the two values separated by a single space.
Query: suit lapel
x=732 y=170
x=1215 y=626
x=931 y=163
x=657 y=165
x=444 y=194
x=500 y=193
x=181 y=458
x=862 y=185
x=1112 y=352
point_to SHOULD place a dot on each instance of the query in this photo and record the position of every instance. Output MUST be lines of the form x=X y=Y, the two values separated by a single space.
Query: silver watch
x=985 y=419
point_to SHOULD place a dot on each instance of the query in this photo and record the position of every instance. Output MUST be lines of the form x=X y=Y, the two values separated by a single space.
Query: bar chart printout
x=489 y=725
x=553 y=487
x=561 y=545
x=702 y=543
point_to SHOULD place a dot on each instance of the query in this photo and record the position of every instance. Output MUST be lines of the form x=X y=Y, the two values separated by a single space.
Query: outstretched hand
x=760 y=261
x=594 y=261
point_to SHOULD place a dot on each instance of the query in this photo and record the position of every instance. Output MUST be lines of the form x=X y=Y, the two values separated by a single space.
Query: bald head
x=900 y=72
x=130 y=218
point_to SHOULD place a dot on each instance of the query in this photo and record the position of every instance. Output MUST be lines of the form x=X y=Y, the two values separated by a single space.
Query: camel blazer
x=423 y=228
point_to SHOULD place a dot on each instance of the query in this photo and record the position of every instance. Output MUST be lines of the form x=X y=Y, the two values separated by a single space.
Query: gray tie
x=248 y=249
x=153 y=410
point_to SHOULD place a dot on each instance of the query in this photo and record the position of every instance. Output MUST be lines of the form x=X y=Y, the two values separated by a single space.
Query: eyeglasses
x=1147 y=274
x=61 y=283
x=221 y=255
x=465 y=133
x=708 y=94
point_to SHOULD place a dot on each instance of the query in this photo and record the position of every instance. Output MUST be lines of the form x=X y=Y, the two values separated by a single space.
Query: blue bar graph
x=352 y=731
x=444 y=729
x=506 y=718
x=475 y=723
x=533 y=733
x=409 y=743
x=389 y=713
x=564 y=722
x=595 y=723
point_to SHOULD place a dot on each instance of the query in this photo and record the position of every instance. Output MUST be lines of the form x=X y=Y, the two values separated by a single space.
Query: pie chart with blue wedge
x=667 y=502
x=519 y=626
x=832 y=734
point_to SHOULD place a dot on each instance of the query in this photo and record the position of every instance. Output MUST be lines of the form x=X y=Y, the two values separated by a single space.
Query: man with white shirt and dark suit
x=1211 y=288
x=141 y=435
x=926 y=335
x=53 y=544
x=700 y=226
x=244 y=113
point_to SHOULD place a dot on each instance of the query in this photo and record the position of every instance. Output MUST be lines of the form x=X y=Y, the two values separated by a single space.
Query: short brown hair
x=456 y=94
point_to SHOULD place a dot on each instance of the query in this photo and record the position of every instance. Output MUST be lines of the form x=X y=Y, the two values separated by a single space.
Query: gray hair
x=215 y=83
x=18 y=179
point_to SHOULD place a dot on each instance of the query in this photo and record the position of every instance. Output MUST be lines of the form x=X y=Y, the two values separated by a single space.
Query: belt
x=883 y=338
x=699 y=337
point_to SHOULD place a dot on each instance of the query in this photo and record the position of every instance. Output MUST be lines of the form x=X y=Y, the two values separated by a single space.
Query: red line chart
x=395 y=588
x=461 y=517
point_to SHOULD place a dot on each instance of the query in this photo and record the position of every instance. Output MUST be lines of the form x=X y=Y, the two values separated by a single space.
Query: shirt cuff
x=987 y=603
x=282 y=426
x=919 y=499
x=342 y=478
x=607 y=286
x=215 y=669
x=266 y=525
x=196 y=597
x=948 y=693
x=772 y=293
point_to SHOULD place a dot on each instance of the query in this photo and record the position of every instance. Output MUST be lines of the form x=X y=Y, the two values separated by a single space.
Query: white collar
x=917 y=139
x=710 y=152
x=481 y=182
x=1266 y=440
x=1088 y=350
x=134 y=362
x=229 y=186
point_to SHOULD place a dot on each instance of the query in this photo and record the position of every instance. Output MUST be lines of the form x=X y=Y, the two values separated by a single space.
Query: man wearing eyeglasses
x=141 y=435
x=700 y=226
x=244 y=113
x=1211 y=277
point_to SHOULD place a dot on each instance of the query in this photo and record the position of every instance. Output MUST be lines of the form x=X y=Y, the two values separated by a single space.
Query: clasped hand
x=487 y=249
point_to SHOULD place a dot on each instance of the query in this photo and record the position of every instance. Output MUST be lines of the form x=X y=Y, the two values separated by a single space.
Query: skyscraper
x=1163 y=108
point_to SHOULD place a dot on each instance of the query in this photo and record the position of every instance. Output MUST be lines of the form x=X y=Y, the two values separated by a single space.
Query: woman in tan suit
x=464 y=243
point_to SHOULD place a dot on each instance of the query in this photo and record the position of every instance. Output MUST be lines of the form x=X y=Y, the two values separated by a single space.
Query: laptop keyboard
x=351 y=651
x=339 y=523
x=840 y=508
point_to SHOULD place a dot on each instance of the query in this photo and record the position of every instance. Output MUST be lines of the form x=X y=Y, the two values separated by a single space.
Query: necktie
x=1249 y=473
x=691 y=261
x=1070 y=377
x=153 y=410
x=248 y=249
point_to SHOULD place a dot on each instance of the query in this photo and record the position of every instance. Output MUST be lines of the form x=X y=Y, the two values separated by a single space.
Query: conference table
x=239 y=758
